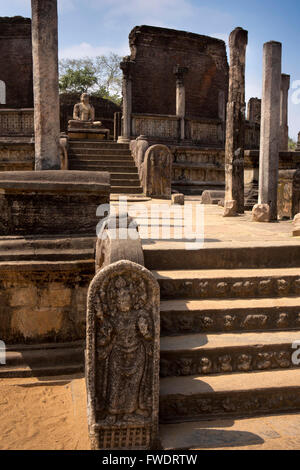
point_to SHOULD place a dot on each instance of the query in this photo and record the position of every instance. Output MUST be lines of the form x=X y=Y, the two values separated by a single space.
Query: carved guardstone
x=122 y=358
x=157 y=172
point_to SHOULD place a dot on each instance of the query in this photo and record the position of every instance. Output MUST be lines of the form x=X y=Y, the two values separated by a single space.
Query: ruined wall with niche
x=156 y=51
x=16 y=62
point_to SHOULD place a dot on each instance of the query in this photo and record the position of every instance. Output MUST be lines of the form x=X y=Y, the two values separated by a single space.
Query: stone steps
x=227 y=315
x=43 y=360
x=103 y=164
x=226 y=353
x=229 y=395
x=78 y=144
x=228 y=283
x=111 y=169
x=103 y=158
x=276 y=432
x=221 y=256
x=126 y=190
x=107 y=156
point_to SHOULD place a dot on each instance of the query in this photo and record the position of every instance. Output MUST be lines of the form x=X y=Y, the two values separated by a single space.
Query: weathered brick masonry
x=156 y=51
x=16 y=61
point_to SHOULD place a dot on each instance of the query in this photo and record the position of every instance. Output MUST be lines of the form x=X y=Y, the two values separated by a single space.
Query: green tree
x=292 y=144
x=80 y=80
x=100 y=76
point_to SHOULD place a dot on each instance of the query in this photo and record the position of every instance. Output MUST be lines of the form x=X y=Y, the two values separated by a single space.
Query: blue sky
x=93 y=27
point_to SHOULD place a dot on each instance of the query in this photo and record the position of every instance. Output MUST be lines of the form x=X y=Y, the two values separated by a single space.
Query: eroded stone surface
x=230 y=209
x=261 y=213
x=157 y=172
x=122 y=358
x=235 y=125
x=296 y=224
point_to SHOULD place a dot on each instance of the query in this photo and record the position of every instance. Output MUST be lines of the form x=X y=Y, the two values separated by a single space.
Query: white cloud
x=87 y=50
x=180 y=14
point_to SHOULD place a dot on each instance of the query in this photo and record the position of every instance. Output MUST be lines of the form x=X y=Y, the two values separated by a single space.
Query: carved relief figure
x=122 y=360
x=157 y=169
x=123 y=343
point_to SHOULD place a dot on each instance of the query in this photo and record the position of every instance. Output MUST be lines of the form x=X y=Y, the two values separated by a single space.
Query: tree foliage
x=292 y=144
x=99 y=76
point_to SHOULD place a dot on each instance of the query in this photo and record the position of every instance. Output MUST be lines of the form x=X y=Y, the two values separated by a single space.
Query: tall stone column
x=298 y=143
x=180 y=97
x=126 y=66
x=45 y=84
x=266 y=210
x=284 y=99
x=235 y=125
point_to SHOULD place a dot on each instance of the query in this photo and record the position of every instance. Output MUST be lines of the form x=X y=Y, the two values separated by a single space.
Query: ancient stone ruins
x=162 y=329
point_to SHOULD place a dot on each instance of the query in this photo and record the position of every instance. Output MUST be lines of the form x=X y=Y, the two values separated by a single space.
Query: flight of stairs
x=106 y=156
x=229 y=317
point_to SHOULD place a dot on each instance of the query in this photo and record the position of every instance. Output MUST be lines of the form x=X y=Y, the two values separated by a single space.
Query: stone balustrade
x=16 y=122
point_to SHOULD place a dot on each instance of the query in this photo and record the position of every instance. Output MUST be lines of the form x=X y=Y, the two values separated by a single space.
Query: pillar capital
x=179 y=73
x=285 y=81
x=126 y=66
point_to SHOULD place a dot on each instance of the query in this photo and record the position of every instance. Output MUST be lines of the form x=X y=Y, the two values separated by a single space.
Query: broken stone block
x=296 y=224
x=178 y=199
x=261 y=213
x=230 y=209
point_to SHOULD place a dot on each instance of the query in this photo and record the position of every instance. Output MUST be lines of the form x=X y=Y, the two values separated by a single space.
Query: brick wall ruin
x=16 y=62
x=156 y=51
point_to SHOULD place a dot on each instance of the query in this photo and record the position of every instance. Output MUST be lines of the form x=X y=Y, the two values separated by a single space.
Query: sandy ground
x=50 y=414
x=43 y=414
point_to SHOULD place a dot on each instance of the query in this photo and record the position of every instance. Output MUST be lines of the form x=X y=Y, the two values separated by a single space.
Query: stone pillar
x=298 y=143
x=269 y=134
x=235 y=126
x=222 y=112
x=284 y=98
x=126 y=65
x=45 y=84
x=254 y=110
x=179 y=72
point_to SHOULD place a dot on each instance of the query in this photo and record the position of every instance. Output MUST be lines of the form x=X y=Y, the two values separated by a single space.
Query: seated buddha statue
x=84 y=115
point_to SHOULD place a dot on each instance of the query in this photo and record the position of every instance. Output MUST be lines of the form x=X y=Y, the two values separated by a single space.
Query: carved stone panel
x=122 y=358
x=157 y=172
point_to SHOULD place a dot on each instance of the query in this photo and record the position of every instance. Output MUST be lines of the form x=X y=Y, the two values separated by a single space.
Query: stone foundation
x=43 y=301
x=16 y=154
x=51 y=202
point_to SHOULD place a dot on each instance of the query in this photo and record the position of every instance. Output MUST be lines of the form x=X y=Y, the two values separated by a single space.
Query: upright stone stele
x=179 y=73
x=235 y=126
x=284 y=100
x=45 y=84
x=122 y=358
x=269 y=135
x=126 y=66
x=157 y=172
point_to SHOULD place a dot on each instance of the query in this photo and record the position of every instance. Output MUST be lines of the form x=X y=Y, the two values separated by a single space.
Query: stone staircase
x=229 y=316
x=106 y=156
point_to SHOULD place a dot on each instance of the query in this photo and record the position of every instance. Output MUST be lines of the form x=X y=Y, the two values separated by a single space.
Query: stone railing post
x=122 y=343
x=126 y=66
x=157 y=172
x=284 y=99
x=179 y=73
x=266 y=209
x=118 y=239
x=235 y=125
x=45 y=84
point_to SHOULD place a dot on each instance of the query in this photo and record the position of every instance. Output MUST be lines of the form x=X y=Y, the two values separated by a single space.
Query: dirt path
x=43 y=414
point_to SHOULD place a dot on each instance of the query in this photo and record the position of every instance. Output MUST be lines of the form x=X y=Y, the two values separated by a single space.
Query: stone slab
x=54 y=202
